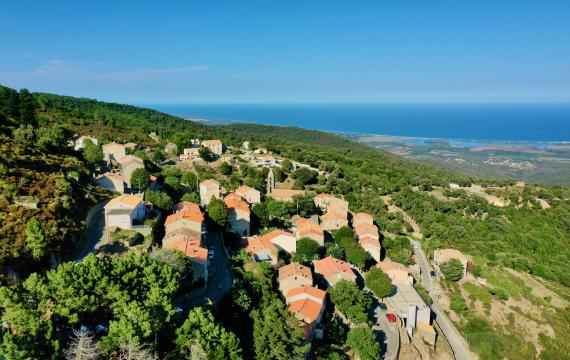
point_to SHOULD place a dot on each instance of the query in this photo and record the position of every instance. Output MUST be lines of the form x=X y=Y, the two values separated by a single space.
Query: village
x=303 y=283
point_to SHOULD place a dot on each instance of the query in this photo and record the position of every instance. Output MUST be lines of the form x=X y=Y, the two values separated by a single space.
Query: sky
x=289 y=51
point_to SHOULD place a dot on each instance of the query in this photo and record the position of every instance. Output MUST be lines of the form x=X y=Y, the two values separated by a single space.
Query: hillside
x=521 y=234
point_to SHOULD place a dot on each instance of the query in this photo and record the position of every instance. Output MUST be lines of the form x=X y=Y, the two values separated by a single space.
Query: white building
x=122 y=211
x=80 y=142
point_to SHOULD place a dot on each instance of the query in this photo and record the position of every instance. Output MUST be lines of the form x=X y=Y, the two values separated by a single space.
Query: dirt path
x=417 y=233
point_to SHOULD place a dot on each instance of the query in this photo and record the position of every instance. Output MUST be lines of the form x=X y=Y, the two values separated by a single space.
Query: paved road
x=95 y=225
x=220 y=276
x=456 y=341
x=391 y=345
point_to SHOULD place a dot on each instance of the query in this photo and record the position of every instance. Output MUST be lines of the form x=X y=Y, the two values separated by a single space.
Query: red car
x=391 y=317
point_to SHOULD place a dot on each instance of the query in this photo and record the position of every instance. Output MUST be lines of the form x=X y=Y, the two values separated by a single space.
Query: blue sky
x=289 y=51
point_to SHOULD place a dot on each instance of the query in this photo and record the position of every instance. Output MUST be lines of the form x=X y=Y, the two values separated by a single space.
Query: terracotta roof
x=366 y=229
x=390 y=265
x=306 y=309
x=187 y=205
x=285 y=193
x=329 y=266
x=186 y=213
x=333 y=215
x=369 y=240
x=152 y=178
x=210 y=182
x=306 y=226
x=211 y=142
x=185 y=234
x=363 y=217
x=255 y=244
x=308 y=290
x=236 y=203
x=130 y=159
x=324 y=196
x=275 y=233
x=234 y=196
x=244 y=189
x=110 y=175
x=112 y=144
x=128 y=200
x=196 y=254
x=295 y=269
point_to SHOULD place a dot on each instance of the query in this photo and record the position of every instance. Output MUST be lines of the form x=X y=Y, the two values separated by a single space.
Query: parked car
x=391 y=317
x=432 y=273
x=210 y=254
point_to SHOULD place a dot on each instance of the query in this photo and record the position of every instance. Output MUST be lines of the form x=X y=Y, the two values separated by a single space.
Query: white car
x=210 y=254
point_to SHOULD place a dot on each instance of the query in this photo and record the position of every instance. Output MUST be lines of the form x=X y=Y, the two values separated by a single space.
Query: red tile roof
x=333 y=215
x=309 y=291
x=196 y=254
x=306 y=310
x=330 y=266
x=255 y=244
x=295 y=269
x=275 y=233
x=362 y=217
x=186 y=213
x=306 y=227
x=236 y=202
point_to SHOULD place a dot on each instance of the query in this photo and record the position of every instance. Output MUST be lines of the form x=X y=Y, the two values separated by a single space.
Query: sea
x=469 y=125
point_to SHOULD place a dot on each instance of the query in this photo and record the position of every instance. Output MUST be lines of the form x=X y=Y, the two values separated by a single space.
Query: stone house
x=129 y=164
x=239 y=214
x=114 y=152
x=209 y=189
x=111 y=181
x=333 y=270
x=215 y=146
x=251 y=195
x=293 y=276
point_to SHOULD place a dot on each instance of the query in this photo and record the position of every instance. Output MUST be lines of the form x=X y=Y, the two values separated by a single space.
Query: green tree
x=173 y=182
x=200 y=333
x=458 y=303
x=452 y=270
x=378 y=282
x=363 y=341
x=304 y=205
x=25 y=134
x=286 y=166
x=192 y=197
x=305 y=176
x=55 y=137
x=218 y=212
x=225 y=168
x=189 y=179
x=278 y=209
x=350 y=300
x=36 y=238
x=140 y=179
x=307 y=248
x=160 y=199
x=92 y=153
x=206 y=154
x=276 y=342
x=260 y=210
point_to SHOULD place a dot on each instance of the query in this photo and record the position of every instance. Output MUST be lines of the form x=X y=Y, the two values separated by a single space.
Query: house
x=262 y=249
x=442 y=256
x=79 y=143
x=239 y=214
x=246 y=145
x=185 y=230
x=397 y=272
x=251 y=195
x=333 y=270
x=113 y=152
x=283 y=240
x=190 y=154
x=129 y=163
x=369 y=239
x=263 y=161
x=307 y=228
x=124 y=211
x=307 y=303
x=215 y=146
x=209 y=189
x=362 y=218
x=293 y=276
x=111 y=181
x=285 y=194
x=187 y=215
x=333 y=220
x=326 y=202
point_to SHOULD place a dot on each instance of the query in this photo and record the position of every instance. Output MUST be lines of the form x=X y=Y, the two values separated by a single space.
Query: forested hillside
x=528 y=232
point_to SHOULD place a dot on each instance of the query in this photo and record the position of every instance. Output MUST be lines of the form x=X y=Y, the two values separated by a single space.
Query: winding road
x=456 y=341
